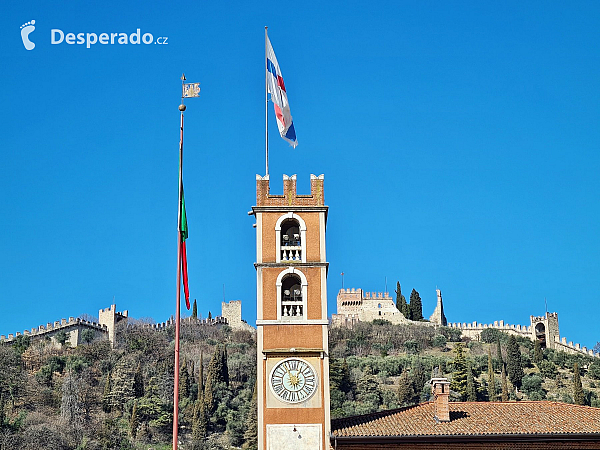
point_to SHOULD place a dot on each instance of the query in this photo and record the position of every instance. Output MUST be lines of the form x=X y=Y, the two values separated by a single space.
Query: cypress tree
x=2 y=414
x=515 y=366
x=339 y=375
x=578 y=395
x=537 y=353
x=201 y=379
x=209 y=315
x=133 y=421
x=195 y=310
x=401 y=304
x=459 y=376
x=471 y=388
x=138 y=382
x=251 y=433
x=419 y=377
x=106 y=398
x=416 y=306
x=499 y=352
x=184 y=381
x=368 y=389
x=217 y=373
x=405 y=389
x=504 y=385
x=199 y=422
x=200 y=419
x=224 y=366
x=491 y=381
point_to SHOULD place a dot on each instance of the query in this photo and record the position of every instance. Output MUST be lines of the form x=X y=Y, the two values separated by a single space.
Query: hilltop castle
x=109 y=318
x=354 y=305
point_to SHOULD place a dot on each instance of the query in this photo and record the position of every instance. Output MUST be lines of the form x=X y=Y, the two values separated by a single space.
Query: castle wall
x=354 y=304
x=73 y=326
x=550 y=320
x=232 y=311
x=473 y=330
x=562 y=345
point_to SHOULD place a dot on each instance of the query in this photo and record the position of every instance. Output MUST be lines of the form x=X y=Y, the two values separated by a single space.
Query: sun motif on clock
x=293 y=380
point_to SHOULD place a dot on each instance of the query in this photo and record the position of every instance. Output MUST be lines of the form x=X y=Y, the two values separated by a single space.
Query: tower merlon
x=290 y=196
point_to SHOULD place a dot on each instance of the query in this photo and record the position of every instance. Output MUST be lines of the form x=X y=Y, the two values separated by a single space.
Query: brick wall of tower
x=311 y=219
x=288 y=336
x=269 y=277
x=289 y=197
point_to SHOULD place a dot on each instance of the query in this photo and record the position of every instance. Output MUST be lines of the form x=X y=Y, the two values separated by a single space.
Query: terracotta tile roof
x=475 y=418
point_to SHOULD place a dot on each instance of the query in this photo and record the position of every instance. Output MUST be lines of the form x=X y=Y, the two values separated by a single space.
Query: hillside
x=96 y=397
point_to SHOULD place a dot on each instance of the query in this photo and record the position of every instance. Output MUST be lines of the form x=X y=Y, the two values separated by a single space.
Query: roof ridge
x=382 y=413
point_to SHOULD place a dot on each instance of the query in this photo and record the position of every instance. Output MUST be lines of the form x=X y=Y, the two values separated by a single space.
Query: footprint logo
x=26 y=30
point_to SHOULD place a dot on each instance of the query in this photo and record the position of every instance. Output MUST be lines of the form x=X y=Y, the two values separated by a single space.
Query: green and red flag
x=183 y=230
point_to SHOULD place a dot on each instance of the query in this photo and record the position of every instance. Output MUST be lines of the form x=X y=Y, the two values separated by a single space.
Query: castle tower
x=545 y=329
x=291 y=322
x=438 y=316
x=110 y=317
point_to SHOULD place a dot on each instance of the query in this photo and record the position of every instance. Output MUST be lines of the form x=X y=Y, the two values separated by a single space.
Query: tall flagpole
x=266 y=107
x=178 y=296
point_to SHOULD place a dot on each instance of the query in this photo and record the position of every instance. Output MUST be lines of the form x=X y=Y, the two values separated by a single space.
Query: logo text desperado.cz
x=58 y=36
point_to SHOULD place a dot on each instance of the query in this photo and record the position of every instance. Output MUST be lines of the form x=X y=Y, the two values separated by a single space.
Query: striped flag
x=184 y=234
x=276 y=87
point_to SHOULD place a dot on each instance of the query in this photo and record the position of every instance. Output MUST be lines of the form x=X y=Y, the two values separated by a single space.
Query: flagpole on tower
x=187 y=90
x=266 y=107
x=178 y=296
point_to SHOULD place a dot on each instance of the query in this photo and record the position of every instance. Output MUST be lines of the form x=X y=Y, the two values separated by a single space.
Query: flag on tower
x=191 y=90
x=276 y=87
x=184 y=234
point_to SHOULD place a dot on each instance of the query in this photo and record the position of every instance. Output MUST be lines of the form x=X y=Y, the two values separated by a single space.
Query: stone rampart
x=474 y=329
x=73 y=326
x=185 y=321
x=568 y=347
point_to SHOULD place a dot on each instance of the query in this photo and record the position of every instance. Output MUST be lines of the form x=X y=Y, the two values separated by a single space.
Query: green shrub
x=439 y=340
x=491 y=336
x=594 y=371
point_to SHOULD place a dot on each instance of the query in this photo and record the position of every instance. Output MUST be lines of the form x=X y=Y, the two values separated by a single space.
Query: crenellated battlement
x=62 y=324
x=568 y=347
x=162 y=326
x=542 y=318
x=290 y=196
x=353 y=293
x=522 y=330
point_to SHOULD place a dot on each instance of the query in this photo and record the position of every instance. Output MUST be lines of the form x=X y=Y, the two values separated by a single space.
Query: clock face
x=293 y=380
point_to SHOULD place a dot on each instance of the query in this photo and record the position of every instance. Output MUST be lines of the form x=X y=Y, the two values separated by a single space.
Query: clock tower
x=291 y=293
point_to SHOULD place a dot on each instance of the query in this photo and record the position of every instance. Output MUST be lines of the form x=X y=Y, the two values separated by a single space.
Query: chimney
x=441 y=392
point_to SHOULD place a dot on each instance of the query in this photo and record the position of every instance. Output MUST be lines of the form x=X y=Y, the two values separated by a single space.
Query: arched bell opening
x=291 y=297
x=291 y=242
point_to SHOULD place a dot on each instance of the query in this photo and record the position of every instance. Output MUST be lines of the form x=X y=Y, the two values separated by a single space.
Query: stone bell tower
x=291 y=293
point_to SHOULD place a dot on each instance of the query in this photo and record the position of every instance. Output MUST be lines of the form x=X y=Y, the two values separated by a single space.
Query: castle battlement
x=185 y=321
x=523 y=330
x=72 y=325
x=568 y=347
x=540 y=318
x=290 y=196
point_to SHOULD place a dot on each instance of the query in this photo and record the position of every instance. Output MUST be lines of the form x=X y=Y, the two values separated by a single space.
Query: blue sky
x=459 y=143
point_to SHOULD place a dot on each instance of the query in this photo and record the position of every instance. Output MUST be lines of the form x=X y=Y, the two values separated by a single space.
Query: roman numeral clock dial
x=293 y=380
